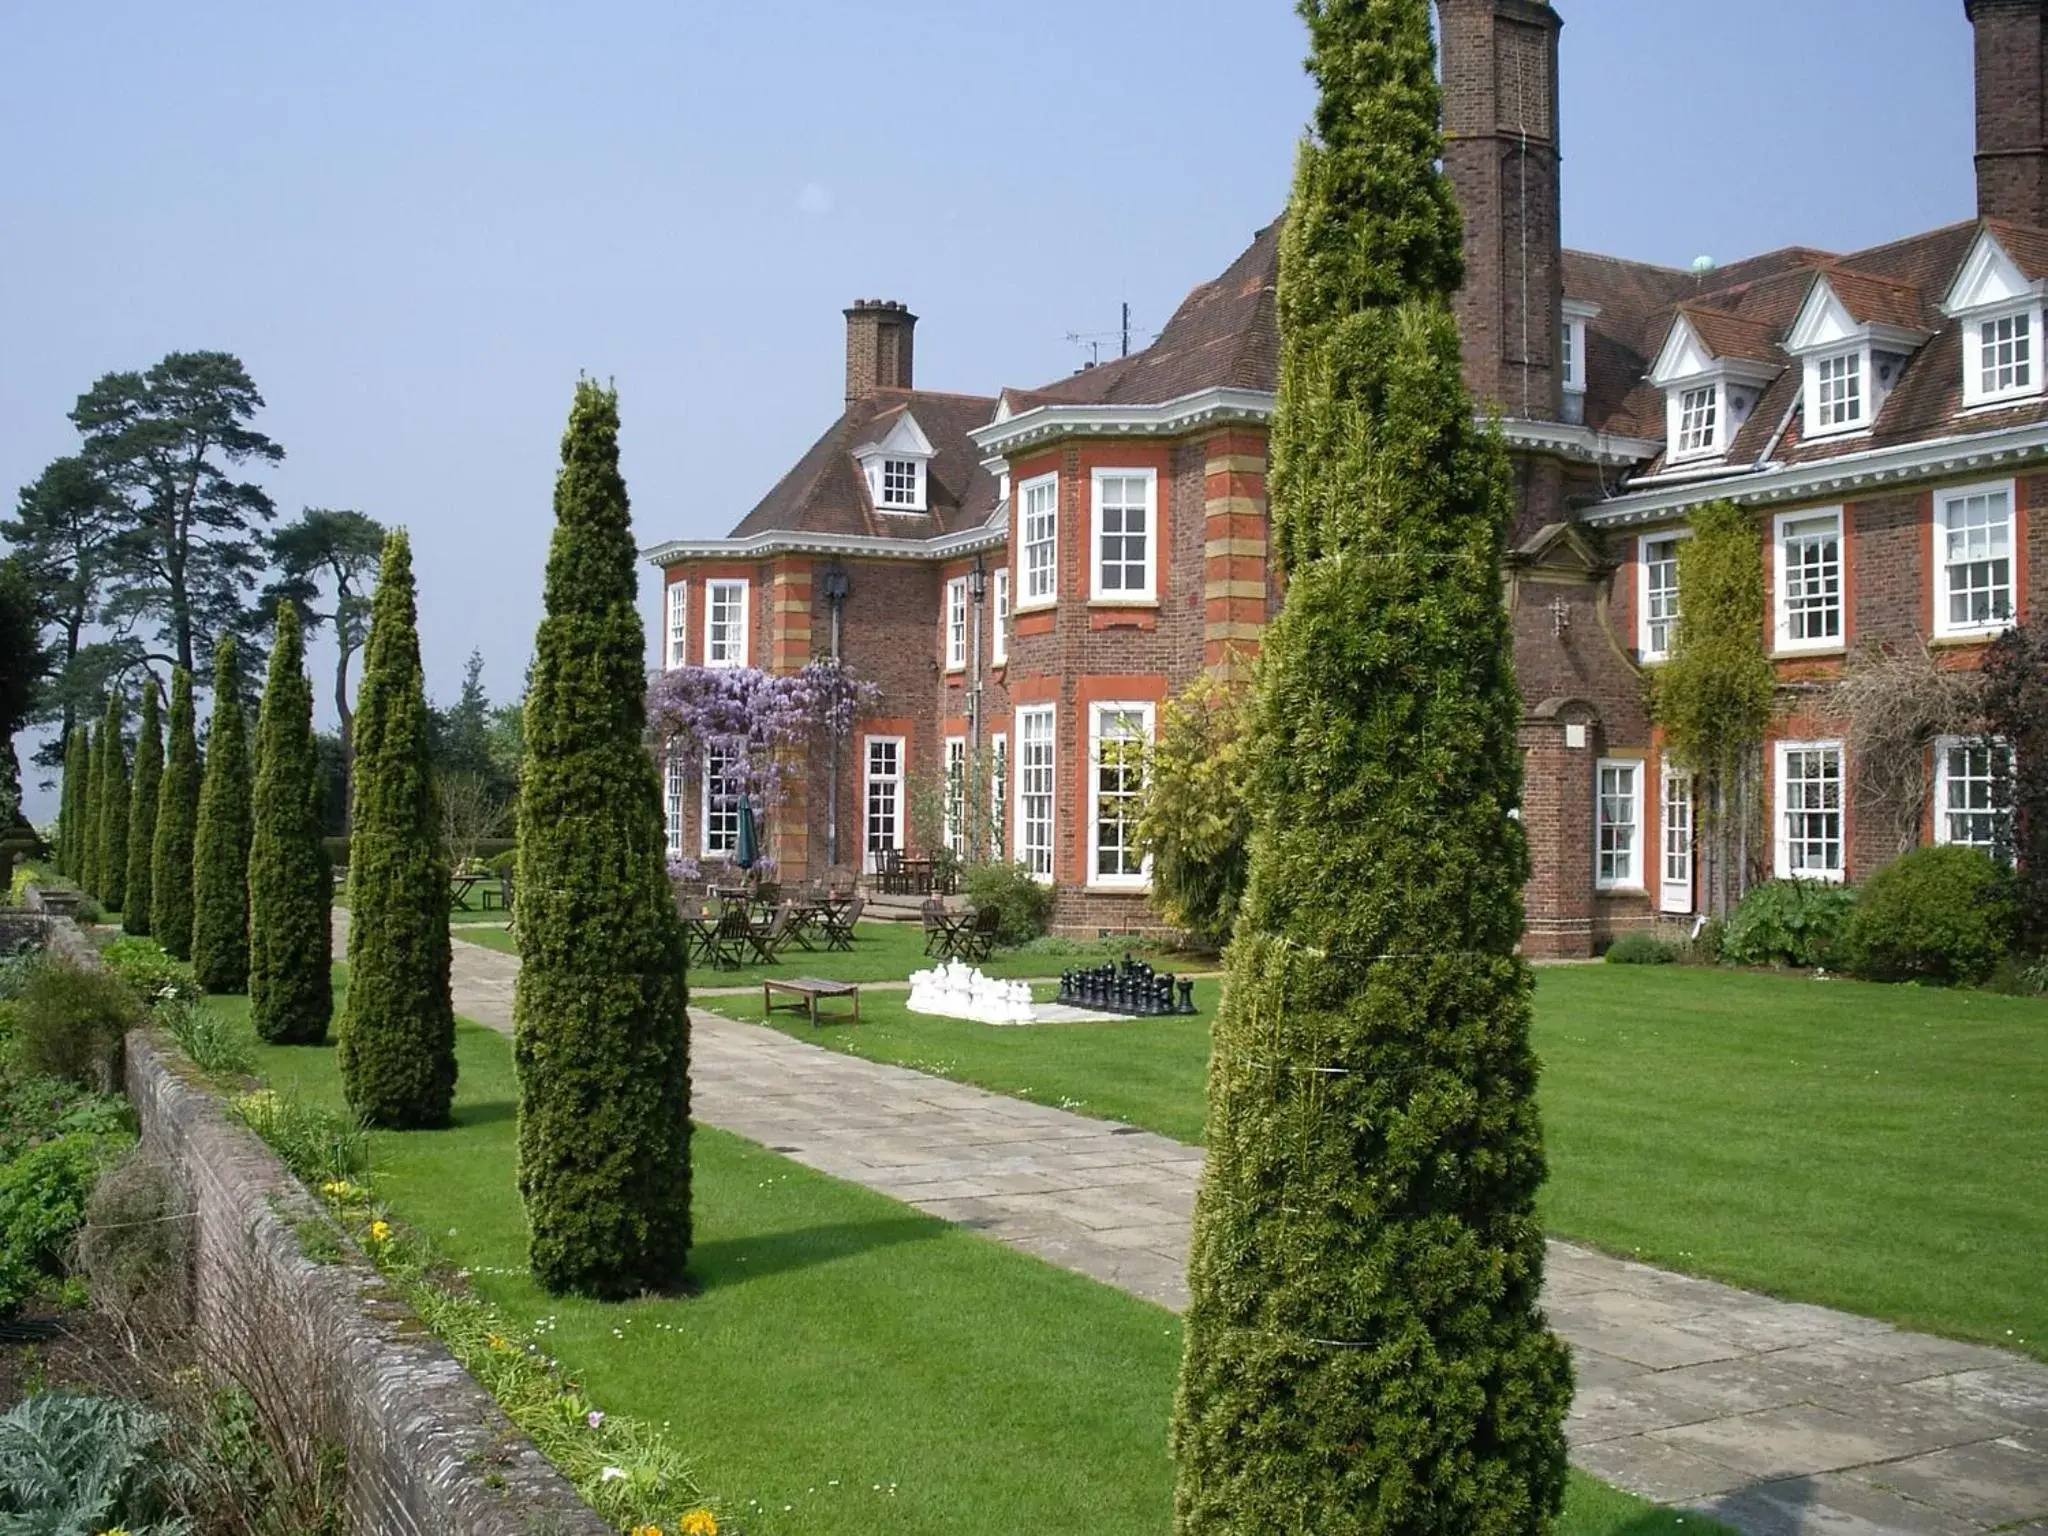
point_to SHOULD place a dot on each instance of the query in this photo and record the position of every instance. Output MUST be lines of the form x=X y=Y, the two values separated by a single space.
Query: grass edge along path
x=847 y=1355
x=1862 y=1147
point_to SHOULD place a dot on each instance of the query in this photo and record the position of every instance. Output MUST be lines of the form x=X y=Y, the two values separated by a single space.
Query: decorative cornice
x=1205 y=407
x=1768 y=484
x=1582 y=443
x=782 y=541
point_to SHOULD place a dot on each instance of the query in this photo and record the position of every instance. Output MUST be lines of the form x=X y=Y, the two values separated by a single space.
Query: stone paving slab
x=1780 y=1418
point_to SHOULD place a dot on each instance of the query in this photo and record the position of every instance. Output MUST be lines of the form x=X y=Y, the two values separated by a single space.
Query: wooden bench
x=807 y=990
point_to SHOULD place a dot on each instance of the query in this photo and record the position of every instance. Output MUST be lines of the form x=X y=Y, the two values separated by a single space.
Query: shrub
x=69 y=1020
x=152 y=975
x=132 y=1247
x=397 y=1050
x=177 y=815
x=1787 y=922
x=504 y=865
x=43 y=1193
x=603 y=1067
x=220 y=845
x=291 y=994
x=38 y=1109
x=1641 y=948
x=1935 y=914
x=317 y=1145
x=1195 y=819
x=1024 y=902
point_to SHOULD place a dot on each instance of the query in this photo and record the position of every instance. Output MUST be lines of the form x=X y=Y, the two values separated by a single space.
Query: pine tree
x=398 y=1023
x=1364 y=1349
x=602 y=1037
x=71 y=815
x=139 y=888
x=89 y=819
x=290 y=890
x=177 y=817
x=220 y=845
x=114 y=804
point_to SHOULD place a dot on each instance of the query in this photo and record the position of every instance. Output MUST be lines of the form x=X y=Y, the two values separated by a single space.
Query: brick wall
x=327 y=1349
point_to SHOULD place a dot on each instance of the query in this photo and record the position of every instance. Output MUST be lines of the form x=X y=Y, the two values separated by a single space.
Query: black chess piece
x=1187 y=997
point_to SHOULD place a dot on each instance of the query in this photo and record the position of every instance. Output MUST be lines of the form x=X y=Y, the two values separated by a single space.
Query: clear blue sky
x=416 y=223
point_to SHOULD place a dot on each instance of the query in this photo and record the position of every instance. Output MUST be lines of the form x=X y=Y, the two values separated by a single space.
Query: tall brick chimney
x=878 y=345
x=1500 y=150
x=2012 y=135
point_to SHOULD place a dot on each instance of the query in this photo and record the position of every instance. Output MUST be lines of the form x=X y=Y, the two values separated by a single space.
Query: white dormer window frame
x=1572 y=338
x=1706 y=398
x=1851 y=366
x=898 y=468
x=2000 y=310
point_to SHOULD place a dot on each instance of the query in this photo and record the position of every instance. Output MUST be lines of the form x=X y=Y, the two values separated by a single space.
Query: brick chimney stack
x=2012 y=135
x=878 y=347
x=1501 y=153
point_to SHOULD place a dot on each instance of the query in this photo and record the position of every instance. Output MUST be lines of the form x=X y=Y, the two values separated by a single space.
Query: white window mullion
x=1117 y=737
x=1974 y=559
x=1810 y=830
x=678 y=623
x=1038 y=526
x=1035 y=786
x=956 y=624
x=1123 y=566
x=882 y=799
x=1675 y=805
x=1809 y=585
x=999 y=650
x=1618 y=823
x=725 y=623
x=1657 y=592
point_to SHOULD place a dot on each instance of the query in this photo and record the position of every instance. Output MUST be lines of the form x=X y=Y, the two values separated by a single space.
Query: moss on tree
x=1364 y=1348
x=602 y=1042
x=220 y=844
x=397 y=1024
x=290 y=890
x=139 y=889
x=177 y=820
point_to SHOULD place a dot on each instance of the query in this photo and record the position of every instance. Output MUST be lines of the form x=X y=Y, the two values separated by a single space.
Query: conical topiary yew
x=397 y=1022
x=220 y=845
x=602 y=1038
x=71 y=815
x=290 y=890
x=89 y=819
x=113 y=838
x=138 y=890
x=177 y=820
x=1364 y=1350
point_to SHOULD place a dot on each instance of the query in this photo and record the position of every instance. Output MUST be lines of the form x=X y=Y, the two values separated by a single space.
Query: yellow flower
x=497 y=1341
x=646 y=1530
x=380 y=1231
x=699 y=1522
x=338 y=1189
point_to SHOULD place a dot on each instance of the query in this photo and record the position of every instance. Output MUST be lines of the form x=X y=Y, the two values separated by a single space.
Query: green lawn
x=849 y=1365
x=1867 y=1147
x=888 y=952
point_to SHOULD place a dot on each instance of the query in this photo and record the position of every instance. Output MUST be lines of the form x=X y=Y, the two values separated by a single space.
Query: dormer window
x=1572 y=348
x=1699 y=419
x=897 y=466
x=1708 y=394
x=902 y=484
x=1853 y=334
x=1999 y=304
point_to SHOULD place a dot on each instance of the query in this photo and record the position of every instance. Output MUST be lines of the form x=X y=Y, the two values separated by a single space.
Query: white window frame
x=1817 y=406
x=1630 y=879
x=722 y=651
x=1572 y=362
x=1944 y=499
x=1038 y=586
x=1645 y=632
x=1944 y=780
x=868 y=780
x=1677 y=840
x=955 y=621
x=999 y=648
x=677 y=646
x=1148 y=592
x=954 y=794
x=1716 y=407
x=673 y=790
x=899 y=484
x=1145 y=714
x=999 y=795
x=1028 y=719
x=1781 y=612
x=1975 y=391
x=1781 y=812
x=712 y=768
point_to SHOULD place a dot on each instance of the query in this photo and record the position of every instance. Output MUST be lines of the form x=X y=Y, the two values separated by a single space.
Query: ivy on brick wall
x=2015 y=704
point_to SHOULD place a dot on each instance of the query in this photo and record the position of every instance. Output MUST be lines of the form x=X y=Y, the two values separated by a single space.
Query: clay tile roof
x=1224 y=335
x=1873 y=300
x=1732 y=335
x=825 y=491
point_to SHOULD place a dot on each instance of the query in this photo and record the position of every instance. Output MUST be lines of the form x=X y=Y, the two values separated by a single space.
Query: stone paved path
x=1773 y=1416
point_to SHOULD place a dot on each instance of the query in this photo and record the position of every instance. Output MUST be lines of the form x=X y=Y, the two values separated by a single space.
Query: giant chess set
x=1131 y=987
x=957 y=990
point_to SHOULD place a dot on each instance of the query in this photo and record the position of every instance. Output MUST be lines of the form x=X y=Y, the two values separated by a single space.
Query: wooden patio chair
x=938 y=931
x=977 y=940
x=732 y=938
x=839 y=929
x=764 y=939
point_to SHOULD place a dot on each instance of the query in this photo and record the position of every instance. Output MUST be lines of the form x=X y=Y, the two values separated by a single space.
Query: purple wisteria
x=752 y=724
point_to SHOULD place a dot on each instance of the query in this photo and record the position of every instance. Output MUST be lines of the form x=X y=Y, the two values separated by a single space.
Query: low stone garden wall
x=327 y=1349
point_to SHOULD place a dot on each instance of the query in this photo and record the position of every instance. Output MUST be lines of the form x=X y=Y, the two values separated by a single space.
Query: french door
x=883 y=799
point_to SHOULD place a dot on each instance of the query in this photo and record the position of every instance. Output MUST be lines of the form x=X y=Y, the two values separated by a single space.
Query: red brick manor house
x=1030 y=575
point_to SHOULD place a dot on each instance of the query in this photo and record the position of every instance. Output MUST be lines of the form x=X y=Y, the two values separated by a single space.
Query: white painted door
x=1674 y=888
x=883 y=798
